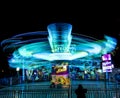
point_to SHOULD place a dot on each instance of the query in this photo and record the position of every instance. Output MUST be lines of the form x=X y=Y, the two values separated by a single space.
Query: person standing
x=80 y=91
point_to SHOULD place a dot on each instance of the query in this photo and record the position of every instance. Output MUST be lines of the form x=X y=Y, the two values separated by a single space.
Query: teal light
x=59 y=36
x=58 y=43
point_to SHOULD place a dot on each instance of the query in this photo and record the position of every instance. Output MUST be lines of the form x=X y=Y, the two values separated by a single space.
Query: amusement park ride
x=30 y=51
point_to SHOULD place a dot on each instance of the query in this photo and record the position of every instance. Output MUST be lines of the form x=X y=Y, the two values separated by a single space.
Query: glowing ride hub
x=35 y=49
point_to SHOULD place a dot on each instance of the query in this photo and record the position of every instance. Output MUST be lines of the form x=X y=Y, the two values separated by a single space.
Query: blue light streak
x=58 y=43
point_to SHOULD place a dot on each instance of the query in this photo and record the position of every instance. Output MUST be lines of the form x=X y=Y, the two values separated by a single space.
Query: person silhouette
x=80 y=91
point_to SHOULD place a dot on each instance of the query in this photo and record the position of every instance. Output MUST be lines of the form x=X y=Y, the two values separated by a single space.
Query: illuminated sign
x=107 y=66
x=106 y=57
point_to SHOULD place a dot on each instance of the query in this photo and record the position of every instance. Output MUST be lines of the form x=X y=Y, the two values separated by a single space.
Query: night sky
x=95 y=25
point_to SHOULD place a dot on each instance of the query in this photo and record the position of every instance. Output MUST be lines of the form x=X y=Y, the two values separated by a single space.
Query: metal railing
x=99 y=91
x=11 y=90
x=41 y=93
x=44 y=91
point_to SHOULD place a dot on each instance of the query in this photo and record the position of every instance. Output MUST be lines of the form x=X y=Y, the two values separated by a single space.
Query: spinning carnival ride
x=34 y=49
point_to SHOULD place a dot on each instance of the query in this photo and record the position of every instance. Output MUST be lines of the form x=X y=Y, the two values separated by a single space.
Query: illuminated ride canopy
x=34 y=49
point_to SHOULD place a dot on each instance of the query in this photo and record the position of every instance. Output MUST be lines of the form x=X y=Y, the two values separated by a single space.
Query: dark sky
x=95 y=25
